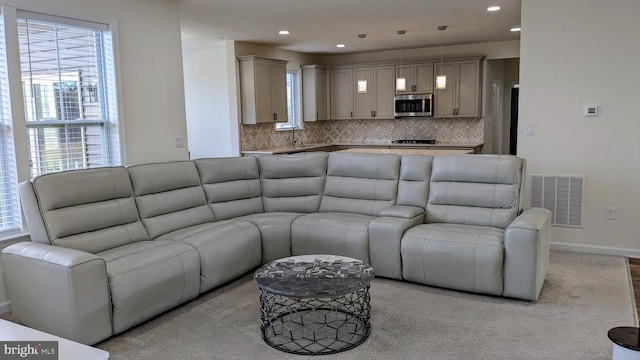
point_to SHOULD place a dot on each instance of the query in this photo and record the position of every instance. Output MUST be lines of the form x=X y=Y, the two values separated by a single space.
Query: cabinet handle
x=317 y=115
x=375 y=113
x=275 y=116
x=372 y=114
x=352 y=114
x=413 y=88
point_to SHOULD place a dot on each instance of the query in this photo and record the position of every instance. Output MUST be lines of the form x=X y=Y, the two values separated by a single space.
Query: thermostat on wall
x=590 y=110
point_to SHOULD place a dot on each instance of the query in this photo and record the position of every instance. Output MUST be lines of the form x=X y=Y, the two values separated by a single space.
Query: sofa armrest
x=399 y=211
x=385 y=234
x=58 y=290
x=526 y=242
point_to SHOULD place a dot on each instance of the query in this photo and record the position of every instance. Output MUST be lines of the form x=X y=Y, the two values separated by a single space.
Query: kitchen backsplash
x=373 y=131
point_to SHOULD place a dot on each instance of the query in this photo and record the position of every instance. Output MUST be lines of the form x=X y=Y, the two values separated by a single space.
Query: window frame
x=295 y=122
x=9 y=13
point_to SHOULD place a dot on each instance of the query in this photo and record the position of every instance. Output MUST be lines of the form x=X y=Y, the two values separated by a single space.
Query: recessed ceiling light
x=283 y=32
x=340 y=45
x=493 y=8
x=515 y=29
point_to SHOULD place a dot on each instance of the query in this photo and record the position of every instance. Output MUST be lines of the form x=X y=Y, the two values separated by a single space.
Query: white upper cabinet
x=263 y=89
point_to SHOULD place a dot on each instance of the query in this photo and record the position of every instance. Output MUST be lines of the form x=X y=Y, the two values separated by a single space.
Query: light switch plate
x=528 y=130
x=590 y=110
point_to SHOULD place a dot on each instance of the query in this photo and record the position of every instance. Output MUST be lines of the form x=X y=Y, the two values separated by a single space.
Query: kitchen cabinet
x=342 y=89
x=263 y=90
x=419 y=78
x=314 y=92
x=377 y=102
x=462 y=96
x=347 y=103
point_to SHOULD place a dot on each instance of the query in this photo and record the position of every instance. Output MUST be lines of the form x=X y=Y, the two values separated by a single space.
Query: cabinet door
x=263 y=93
x=364 y=102
x=445 y=99
x=468 y=78
x=424 y=78
x=383 y=91
x=341 y=95
x=314 y=93
x=407 y=72
x=279 y=94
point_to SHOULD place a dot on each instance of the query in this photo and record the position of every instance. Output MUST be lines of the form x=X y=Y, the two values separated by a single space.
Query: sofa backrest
x=90 y=210
x=360 y=183
x=292 y=182
x=231 y=186
x=475 y=189
x=415 y=172
x=169 y=196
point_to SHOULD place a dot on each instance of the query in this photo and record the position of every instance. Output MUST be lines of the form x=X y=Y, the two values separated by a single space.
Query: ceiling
x=316 y=26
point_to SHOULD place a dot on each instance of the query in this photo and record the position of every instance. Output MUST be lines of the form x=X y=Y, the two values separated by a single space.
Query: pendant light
x=401 y=81
x=362 y=83
x=441 y=80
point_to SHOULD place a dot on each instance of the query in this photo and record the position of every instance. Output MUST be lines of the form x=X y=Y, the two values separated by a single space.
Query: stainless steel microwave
x=413 y=105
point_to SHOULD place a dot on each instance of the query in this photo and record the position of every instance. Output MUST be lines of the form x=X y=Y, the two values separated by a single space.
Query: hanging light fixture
x=401 y=81
x=441 y=80
x=362 y=83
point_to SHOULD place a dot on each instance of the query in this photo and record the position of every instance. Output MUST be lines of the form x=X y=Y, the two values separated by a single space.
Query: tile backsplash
x=374 y=131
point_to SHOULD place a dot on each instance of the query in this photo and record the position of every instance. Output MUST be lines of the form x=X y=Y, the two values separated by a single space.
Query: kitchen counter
x=469 y=148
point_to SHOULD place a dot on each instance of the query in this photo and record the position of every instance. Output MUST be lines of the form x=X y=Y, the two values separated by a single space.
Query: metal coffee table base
x=315 y=325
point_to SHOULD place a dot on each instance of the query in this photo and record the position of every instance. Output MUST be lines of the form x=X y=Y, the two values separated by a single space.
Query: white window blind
x=10 y=219
x=69 y=93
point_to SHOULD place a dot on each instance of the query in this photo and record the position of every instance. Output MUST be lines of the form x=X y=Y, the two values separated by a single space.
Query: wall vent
x=563 y=195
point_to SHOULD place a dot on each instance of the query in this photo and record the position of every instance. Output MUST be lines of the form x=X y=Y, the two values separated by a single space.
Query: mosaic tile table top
x=314 y=276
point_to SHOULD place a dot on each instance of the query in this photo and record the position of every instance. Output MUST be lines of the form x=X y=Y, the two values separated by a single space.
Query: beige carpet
x=583 y=297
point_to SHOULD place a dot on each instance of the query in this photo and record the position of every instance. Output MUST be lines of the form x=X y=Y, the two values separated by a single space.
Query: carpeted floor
x=582 y=298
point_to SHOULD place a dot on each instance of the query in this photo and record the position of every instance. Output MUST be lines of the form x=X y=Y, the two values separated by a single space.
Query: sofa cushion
x=149 y=277
x=231 y=186
x=332 y=233
x=275 y=233
x=360 y=183
x=413 y=186
x=90 y=210
x=475 y=189
x=169 y=196
x=463 y=257
x=227 y=249
x=292 y=183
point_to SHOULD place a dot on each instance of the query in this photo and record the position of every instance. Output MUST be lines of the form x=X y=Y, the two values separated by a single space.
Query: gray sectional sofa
x=113 y=247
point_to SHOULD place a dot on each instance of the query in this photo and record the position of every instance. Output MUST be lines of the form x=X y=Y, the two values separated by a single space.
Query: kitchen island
x=391 y=148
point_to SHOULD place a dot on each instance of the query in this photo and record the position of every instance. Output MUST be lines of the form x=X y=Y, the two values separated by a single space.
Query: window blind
x=10 y=219
x=69 y=93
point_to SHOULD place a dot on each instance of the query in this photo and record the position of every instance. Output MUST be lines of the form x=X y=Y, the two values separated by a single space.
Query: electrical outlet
x=611 y=213
x=179 y=142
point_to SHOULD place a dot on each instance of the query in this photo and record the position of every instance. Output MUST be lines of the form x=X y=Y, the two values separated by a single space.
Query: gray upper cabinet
x=461 y=98
x=419 y=78
x=341 y=91
x=263 y=90
x=314 y=92
x=377 y=102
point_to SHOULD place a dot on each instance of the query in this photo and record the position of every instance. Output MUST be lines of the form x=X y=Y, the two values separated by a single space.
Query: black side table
x=626 y=343
x=314 y=304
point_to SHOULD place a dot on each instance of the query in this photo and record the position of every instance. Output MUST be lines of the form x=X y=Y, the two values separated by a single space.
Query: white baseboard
x=5 y=307
x=595 y=249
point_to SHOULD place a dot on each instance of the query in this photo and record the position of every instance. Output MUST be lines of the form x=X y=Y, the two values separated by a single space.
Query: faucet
x=293 y=137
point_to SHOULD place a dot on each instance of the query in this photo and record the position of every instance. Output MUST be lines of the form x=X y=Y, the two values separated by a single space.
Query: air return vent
x=562 y=195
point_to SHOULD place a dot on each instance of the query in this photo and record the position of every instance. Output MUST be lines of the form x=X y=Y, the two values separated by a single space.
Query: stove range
x=413 y=141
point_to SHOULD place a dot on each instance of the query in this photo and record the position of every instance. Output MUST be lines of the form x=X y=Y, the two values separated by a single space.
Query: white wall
x=211 y=129
x=150 y=67
x=577 y=52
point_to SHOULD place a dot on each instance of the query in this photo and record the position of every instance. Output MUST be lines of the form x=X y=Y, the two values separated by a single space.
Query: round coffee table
x=314 y=304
